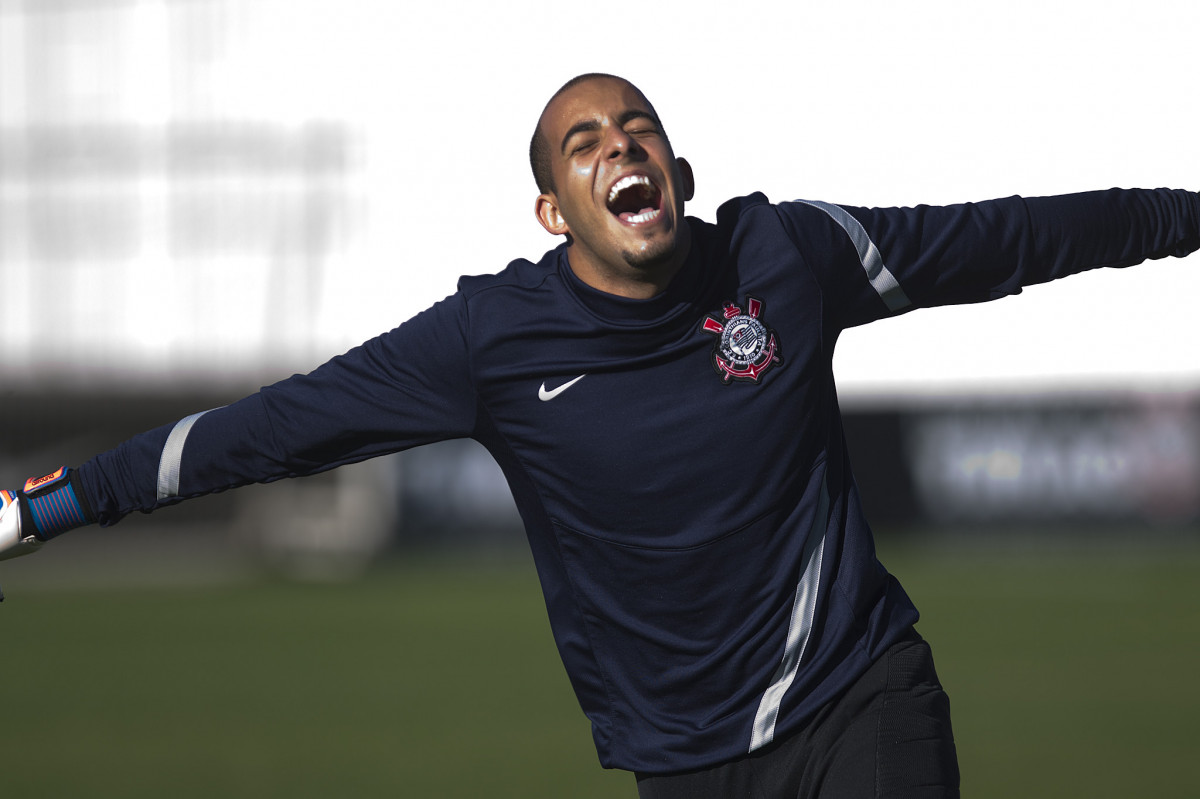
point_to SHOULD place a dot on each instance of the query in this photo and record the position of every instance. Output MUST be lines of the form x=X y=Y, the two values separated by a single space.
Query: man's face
x=619 y=190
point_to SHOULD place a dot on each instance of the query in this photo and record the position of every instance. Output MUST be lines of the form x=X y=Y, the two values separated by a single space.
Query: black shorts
x=887 y=737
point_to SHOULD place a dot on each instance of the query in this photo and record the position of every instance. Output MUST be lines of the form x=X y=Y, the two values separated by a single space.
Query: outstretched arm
x=943 y=255
x=406 y=387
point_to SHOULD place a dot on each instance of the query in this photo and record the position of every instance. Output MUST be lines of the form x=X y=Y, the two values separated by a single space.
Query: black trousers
x=887 y=737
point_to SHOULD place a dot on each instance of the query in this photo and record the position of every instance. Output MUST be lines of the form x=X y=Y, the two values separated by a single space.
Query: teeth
x=626 y=182
x=638 y=219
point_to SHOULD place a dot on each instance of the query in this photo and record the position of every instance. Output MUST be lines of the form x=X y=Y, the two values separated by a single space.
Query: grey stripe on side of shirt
x=172 y=457
x=799 y=628
x=883 y=281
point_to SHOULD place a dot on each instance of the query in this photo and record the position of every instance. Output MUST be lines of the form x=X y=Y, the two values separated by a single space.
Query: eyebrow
x=624 y=119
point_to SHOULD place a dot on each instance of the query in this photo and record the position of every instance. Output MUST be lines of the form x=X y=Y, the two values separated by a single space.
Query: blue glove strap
x=53 y=506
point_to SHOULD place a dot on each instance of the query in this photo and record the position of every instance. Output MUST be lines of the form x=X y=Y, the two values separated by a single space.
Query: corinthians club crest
x=746 y=347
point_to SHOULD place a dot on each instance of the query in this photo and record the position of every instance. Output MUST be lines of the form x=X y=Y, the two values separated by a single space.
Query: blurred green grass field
x=1071 y=673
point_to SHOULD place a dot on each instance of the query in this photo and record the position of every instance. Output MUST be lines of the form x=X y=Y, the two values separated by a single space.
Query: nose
x=621 y=144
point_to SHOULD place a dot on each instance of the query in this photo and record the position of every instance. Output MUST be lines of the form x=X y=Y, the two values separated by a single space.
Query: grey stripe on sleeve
x=883 y=281
x=172 y=456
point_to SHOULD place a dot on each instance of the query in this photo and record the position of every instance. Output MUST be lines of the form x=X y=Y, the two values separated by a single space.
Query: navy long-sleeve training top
x=678 y=462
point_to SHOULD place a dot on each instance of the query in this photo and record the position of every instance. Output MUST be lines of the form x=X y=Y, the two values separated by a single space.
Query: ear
x=689 y=180
x=546 y=210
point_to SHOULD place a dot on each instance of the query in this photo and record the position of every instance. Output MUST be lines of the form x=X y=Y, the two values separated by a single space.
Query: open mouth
x=635 y=200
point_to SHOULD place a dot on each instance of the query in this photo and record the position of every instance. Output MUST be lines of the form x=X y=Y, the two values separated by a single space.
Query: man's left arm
x=981 y=251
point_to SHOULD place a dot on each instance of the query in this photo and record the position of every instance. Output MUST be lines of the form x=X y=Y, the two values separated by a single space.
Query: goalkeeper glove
x=45 y=507
x=12 y=542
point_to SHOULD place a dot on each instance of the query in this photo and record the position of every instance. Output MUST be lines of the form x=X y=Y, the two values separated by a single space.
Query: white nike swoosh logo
x=546 y=396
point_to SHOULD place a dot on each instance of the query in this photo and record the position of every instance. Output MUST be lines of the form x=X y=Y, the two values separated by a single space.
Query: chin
x=653 y=254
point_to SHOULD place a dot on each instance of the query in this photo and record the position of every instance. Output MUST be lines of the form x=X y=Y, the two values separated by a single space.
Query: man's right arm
x=404 y=388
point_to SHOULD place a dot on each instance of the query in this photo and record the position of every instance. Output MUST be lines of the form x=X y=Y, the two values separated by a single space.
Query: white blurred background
x=229 y=190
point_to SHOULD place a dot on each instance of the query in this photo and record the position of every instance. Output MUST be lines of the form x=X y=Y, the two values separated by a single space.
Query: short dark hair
x=539 y=145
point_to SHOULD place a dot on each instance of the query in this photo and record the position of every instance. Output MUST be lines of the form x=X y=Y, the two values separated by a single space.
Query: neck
x=640 y=282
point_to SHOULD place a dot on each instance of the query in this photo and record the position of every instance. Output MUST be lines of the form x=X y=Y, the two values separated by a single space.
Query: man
x=659 y=393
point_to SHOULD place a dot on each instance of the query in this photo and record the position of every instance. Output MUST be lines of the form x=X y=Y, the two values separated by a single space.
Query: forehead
x=593 y=99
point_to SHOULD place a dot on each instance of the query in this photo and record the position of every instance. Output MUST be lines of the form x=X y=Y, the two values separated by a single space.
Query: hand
x=12 y=543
